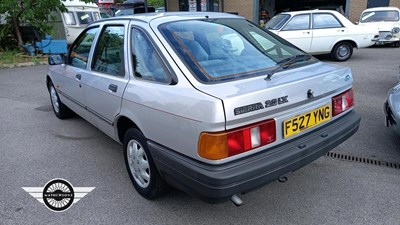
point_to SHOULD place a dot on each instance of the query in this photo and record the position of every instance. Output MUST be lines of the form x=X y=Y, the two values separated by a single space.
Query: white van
x=71 y=23
x=387 y=20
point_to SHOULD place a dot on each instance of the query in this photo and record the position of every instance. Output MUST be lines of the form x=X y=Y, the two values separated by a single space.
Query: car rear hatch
x=303 y=93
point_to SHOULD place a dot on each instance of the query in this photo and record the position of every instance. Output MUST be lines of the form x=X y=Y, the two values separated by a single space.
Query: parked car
x=321 y=32
x=392 y=108
x=71 y=23
x=206 y=102
x=387 y=20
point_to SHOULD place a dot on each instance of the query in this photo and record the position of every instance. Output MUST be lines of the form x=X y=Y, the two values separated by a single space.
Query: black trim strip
x=85 y=107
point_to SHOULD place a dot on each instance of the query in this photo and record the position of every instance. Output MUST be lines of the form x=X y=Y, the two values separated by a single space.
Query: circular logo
x=58 y=195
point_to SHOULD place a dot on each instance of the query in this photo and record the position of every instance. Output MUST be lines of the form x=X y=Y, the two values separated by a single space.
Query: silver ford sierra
x=205 y=102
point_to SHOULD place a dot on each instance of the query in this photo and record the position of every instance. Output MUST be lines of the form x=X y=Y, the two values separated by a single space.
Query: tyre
x=61 y=110
x=396 y=44
x=140 y=165
x=342 y=51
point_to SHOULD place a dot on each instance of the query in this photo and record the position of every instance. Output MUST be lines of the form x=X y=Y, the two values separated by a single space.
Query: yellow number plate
x=305 y=121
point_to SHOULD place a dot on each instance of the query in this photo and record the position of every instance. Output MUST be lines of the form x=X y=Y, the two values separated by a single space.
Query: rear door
x=298 y=31
x=327 y=30
x=106 y=83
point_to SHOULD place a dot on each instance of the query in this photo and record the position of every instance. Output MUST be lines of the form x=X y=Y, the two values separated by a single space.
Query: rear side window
x=147 y=63
x=109 y=54
x=80 y=50
x=325 y=21
x=299 y=22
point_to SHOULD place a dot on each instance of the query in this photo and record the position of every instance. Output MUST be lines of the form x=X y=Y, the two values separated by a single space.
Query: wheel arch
x=48 y=80
x=123 y=123
x=352 y=42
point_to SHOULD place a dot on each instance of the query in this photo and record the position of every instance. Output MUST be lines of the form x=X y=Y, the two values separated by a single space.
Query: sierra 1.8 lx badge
x=259 y=105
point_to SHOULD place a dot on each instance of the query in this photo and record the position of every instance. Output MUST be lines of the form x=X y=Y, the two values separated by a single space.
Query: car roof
x=172 y=16
x=381 y=9
x=311 y=11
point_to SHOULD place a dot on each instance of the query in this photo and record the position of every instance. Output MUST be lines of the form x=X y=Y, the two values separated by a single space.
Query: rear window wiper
x=285 y=63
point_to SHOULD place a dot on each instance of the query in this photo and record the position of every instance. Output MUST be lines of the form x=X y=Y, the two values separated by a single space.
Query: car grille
x=385 y=35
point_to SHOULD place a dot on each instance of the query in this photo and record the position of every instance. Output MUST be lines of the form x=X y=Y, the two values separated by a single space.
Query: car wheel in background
x=342 y=51
x=61 y=110
x=396 y=44
x=140 y=165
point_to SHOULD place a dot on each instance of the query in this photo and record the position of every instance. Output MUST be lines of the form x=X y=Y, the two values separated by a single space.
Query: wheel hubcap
x=54 y=99
x=343 y=51
x=138 y=163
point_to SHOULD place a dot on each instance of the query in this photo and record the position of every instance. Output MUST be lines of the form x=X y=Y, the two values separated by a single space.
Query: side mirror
x=55 y=60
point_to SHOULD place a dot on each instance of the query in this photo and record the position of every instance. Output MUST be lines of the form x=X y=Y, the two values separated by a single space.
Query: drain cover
x=362 y=160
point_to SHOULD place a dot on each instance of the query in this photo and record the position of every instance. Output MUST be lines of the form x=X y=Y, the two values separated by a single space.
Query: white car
x=321 y=32
x=386 y=20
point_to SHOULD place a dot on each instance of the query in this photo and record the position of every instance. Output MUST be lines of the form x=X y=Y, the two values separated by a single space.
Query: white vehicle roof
x=71 y=3
x=174 y=16
x=342 y=18
x=381 y=9
x=311 y=11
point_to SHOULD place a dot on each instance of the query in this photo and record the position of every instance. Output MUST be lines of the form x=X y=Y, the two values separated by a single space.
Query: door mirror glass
x=55 y=60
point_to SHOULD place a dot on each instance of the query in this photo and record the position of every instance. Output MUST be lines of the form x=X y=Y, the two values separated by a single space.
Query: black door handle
x=113 y=87
x=78 y=76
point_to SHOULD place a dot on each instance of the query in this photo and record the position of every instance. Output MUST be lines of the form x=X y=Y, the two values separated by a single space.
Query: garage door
x=377 y=3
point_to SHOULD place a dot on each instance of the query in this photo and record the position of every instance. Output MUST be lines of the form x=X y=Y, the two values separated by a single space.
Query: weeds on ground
x=14 y=56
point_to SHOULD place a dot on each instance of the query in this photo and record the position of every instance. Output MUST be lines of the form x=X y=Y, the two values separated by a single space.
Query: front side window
x=147 y=64
x=109 y=54
x=299 y=22
x=379 y=16
x=325 y=21
x=80 y=50
x=84 y=17
x=69 y=18
x=226 y=49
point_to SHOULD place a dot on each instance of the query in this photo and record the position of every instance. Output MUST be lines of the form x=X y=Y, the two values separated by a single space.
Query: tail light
x=343 y=102
x=221 y=145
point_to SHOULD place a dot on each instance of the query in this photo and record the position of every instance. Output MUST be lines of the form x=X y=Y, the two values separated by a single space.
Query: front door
x=76 y=69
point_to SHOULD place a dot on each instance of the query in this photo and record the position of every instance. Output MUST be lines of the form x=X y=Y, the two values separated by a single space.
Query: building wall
x=356 y=8
x=244 y=8
x=395 y=3
x=172 y=5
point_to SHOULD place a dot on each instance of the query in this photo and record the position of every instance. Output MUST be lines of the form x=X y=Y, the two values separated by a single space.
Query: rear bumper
x=217 y=183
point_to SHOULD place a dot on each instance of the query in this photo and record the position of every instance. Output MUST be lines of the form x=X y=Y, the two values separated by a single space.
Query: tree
x=34 y=13
x=155 y=2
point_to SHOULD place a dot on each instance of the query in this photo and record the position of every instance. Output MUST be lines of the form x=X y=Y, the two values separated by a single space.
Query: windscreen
x=379 y=16
x=226 y=49
x=277 y=21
